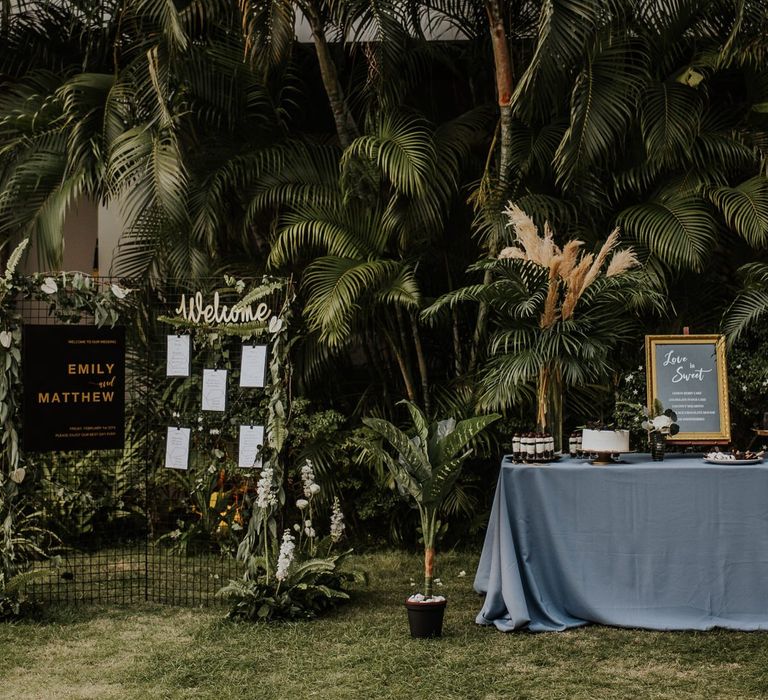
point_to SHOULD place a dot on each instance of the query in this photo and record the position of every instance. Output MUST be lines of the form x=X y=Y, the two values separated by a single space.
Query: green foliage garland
x=70 y=296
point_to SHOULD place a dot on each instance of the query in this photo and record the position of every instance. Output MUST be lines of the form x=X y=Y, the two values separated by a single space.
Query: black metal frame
x=123 y=542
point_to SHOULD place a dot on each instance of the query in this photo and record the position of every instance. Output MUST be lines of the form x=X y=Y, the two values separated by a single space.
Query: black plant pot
x=426 y=619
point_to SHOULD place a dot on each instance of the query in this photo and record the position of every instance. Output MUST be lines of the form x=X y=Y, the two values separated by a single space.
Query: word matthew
x=94 y=369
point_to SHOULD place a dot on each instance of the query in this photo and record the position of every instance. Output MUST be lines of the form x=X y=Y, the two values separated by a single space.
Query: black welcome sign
x=687 y=373
x=74 y=388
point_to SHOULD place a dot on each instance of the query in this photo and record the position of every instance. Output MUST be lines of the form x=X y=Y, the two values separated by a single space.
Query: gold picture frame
x=677 y=367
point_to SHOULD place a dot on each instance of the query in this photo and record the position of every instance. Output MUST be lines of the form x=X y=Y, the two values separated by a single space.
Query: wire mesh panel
x=129 y=527
x=93 y=502
x=198 y=509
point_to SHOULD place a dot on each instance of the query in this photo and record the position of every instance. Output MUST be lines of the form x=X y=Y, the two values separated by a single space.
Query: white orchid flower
x=120 y=292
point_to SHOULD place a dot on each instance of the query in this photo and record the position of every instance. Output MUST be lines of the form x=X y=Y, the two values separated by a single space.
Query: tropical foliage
x=195 y=117
x=301 y=578
x=558 y=315
x=373 y=163
x=425 y=465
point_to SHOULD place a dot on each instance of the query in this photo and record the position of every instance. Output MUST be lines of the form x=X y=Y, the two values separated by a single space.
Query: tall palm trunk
x=549 y=402
x=346 y=129
x=502 y=60
x=503 y=69
x=422 y=362
x=402 y=365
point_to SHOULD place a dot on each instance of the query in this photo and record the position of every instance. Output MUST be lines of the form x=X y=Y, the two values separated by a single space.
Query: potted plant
x=425 y=463
x=659 y=423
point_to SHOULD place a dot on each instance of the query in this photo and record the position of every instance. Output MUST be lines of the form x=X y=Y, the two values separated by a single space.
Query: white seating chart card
x=214 y=389
x=253 y=366
x=251 y=439
x=177 y=448
x=177 y=359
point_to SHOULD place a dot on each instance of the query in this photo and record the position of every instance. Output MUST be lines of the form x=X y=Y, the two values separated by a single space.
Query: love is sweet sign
x=687 y=373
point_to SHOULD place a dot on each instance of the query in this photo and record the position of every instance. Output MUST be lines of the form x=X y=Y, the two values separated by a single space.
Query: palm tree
x=559 y=316
x=425 y=465
x=364 y=240
x=650 y=116
x=643 y=115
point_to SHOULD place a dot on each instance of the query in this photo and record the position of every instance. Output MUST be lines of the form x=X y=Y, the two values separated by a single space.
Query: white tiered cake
x=605 y=441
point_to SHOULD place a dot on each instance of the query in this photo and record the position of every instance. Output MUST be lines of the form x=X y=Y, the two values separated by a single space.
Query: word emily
x=94 y=369
x=680 y=375
x=194 y=311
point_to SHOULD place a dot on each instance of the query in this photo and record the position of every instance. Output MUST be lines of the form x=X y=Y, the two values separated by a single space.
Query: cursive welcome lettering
x=195 y=310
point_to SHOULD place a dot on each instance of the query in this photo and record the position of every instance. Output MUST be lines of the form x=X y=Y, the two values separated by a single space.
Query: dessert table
x=677 y=544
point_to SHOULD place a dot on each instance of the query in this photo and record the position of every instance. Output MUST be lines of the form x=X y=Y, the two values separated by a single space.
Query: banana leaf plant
x=425 y=462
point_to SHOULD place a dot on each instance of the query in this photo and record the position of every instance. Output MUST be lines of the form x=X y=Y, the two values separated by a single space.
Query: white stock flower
x=265 y=489
x=337 y=521
x=308 y=479
x=285 y=557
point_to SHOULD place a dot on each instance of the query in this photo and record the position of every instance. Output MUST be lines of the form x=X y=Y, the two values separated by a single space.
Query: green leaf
x=670 y=118
x=462 y=435
x=402 y=148
x=680 y=230
x=603 y=102
x=745 y=209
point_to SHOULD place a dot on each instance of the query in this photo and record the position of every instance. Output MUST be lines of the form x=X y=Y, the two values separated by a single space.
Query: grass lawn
x=364 y=651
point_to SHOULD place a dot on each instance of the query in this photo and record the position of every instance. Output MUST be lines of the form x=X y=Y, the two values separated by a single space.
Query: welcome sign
x=74 y=388
x=688 y=374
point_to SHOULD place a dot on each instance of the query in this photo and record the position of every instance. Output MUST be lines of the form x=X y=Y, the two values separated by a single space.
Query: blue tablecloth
x=677 y=544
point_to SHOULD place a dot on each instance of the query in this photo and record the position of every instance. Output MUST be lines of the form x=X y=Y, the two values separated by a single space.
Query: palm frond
x=602 y=105
x=402 y=148
x=670 y=119
x=745 y=209
x=336 y=289
x=750 y=305
x=679 y=230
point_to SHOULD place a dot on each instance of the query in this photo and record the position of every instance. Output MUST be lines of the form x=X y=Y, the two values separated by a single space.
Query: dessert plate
x=757 y=460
